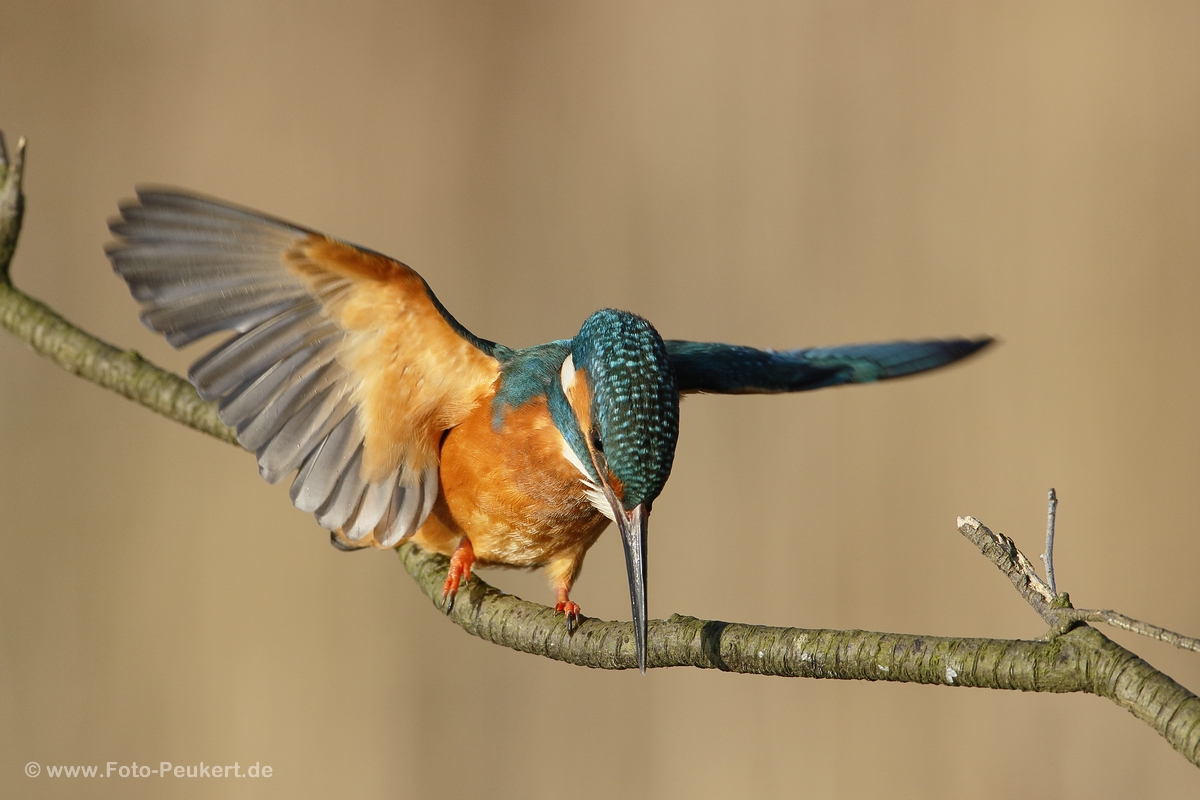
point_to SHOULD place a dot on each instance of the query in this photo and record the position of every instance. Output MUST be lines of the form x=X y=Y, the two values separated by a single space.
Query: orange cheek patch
x=617 y=487
x=579 y=396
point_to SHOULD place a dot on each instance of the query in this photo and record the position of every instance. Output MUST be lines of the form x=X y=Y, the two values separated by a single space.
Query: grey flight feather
x=200 y=267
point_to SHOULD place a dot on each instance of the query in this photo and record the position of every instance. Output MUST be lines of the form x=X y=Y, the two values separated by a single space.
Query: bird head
x=620 y=389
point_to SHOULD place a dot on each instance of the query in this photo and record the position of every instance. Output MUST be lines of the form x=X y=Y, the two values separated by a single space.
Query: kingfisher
x=344 y=368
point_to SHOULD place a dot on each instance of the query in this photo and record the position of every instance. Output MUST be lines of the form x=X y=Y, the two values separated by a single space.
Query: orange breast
x=511 y=492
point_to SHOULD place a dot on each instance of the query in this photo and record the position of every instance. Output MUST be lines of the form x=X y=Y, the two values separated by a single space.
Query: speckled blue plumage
x=635 y=403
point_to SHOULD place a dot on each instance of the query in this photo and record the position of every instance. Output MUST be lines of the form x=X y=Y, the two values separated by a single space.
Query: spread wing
x=730 y=369
x=342 y=363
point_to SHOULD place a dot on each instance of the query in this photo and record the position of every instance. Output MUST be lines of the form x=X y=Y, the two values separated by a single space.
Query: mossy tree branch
x=1074 y=657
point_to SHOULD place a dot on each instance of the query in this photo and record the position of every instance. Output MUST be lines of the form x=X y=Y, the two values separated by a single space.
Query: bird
x=341 y=366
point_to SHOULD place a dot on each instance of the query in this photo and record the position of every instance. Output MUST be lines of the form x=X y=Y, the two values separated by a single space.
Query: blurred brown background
x=775 y=174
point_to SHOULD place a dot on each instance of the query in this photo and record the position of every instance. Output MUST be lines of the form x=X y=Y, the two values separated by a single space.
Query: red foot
x=571 y=609
x=459 y=572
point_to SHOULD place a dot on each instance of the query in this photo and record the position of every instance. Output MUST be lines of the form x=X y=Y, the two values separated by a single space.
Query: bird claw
x=454 y=580
x=571 y=610
x=458 y=574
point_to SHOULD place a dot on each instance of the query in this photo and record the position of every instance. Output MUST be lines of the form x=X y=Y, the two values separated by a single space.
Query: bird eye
x=597 y=444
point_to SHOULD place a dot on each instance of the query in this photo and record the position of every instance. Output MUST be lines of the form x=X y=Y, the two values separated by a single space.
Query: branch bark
x=1074 y=657
x=1056 y=609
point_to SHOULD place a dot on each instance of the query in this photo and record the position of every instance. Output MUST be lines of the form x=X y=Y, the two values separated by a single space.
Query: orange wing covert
x=342 y=364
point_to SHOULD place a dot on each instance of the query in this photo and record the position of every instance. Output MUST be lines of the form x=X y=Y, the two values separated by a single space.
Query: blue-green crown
x=635 y=405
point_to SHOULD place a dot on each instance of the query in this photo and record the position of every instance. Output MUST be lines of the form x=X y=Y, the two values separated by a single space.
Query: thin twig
x=1056 y=610
x=12 y=203
x=1118 y=620
x=1048 y=556
x=1001 y=551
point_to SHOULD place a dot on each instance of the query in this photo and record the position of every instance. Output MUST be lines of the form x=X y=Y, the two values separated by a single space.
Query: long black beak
x=632 y=525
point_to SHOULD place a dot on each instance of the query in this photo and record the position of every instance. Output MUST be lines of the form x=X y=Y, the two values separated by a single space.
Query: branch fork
x=1055 y=609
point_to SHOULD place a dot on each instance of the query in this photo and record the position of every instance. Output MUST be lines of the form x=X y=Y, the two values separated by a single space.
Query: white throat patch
x=567 y=375
x=595 y=494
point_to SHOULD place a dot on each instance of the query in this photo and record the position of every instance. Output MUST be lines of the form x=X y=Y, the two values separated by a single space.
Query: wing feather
x=337 y=509
x=185 y=319
x=328 y=464
x=259 y=424
x=732 y=369
x=341 y=363
x=416 y=503
x=241 y=358
x=301 y=433
x=374 y=505
x=391 y=518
